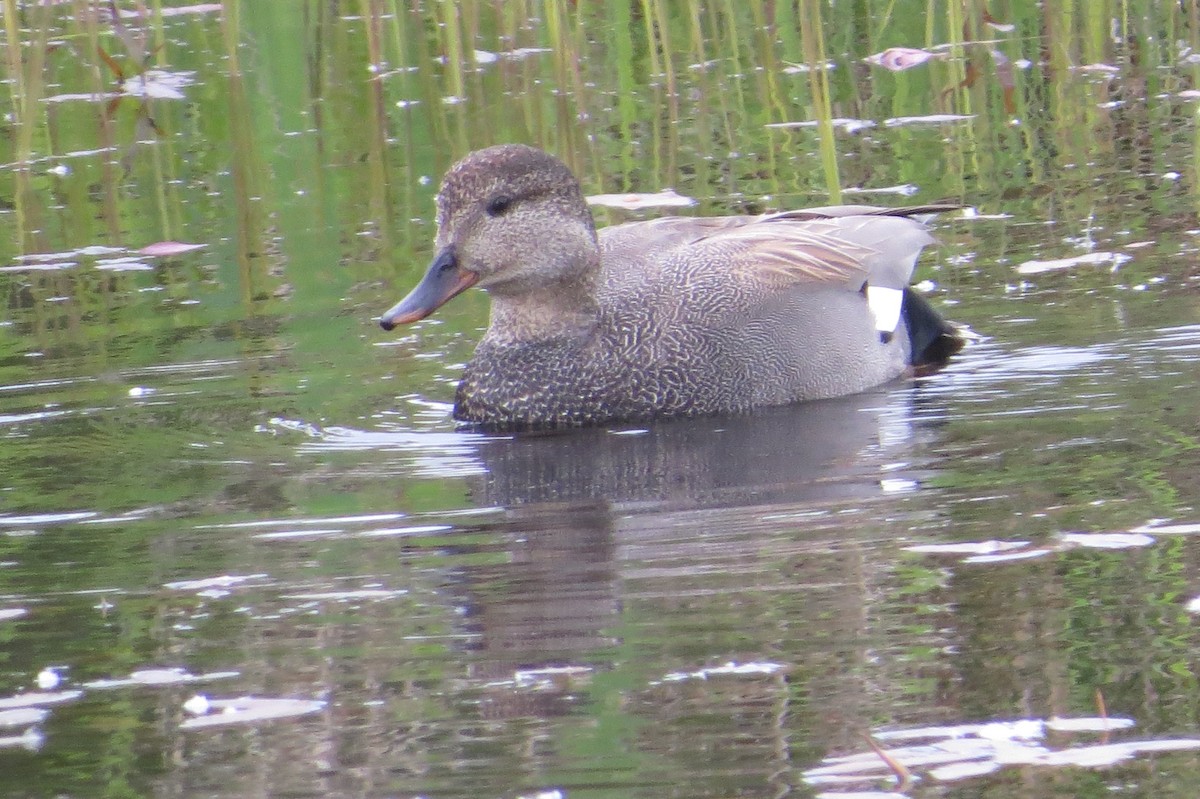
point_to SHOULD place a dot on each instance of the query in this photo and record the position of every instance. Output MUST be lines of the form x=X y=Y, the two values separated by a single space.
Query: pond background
x=215 y=461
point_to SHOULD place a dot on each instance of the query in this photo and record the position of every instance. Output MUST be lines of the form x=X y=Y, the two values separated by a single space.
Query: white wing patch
x=885 y=305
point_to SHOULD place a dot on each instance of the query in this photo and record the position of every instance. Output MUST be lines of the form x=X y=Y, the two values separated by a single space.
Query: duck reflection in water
x=595 y=519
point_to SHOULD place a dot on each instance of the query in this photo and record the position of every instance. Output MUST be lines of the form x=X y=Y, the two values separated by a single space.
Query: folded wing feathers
x=795 y=253
x=849 y=250
x=846 y=245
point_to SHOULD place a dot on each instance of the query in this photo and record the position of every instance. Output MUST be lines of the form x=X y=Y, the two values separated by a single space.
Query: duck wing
x=751 y=259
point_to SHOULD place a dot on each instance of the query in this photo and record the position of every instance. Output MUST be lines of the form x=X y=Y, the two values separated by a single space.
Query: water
x=245 y=552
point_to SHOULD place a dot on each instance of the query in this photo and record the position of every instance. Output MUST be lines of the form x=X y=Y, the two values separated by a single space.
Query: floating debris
x=1096 y=724
x=847 y=125
x=1108 y=540
x=38 y=698
x=22 y=716
x=31 y=739
x=970 y=212
x=1000 y=551
x=729 y=669
x=904 y=190
x=553 y=793
x=898 y=59
x=249 y=710
x=928 y=119
x=45 y=518
x=47 y=679
x=40 y=267
x=167 y=248
x=524 y=52
x=667 y=198
x=968 y=547
x=222 y=582
x=94 y=250
x=345 y=596
x=801 y=69
x=198 y=8
x=198 y=705
x=1028 y=554
x=969 y=750
x=1168 y=529
x=392 y=532
x=158 y=84
x=152 y=677
x=125 y=264
x=1038 y=267
x=896 y=485
x=549 y=677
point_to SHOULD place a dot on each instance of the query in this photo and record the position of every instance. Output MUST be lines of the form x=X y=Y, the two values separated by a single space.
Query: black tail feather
x=932 y=338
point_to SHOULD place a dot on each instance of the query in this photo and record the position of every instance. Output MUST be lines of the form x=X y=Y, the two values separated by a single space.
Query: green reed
x=619 y=22
x=572 y=96
x=658 y=32
x=453 y=44
x=813 y=38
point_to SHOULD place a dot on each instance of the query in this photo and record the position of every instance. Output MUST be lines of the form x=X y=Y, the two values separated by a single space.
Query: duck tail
x=932 y=338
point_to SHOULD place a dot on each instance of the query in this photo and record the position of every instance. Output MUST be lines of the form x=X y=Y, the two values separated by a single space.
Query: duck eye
x=499 y=205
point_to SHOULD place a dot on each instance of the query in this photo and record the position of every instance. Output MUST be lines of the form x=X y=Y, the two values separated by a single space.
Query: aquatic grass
x=767 y=71
x=963 y=23
x=731 y=39
x=567 y=37
x=731 y=105
x=712 y=115
x=620 y=25
x=598 y=99
x=812 y=36
x=452 y=43
x=665 y=131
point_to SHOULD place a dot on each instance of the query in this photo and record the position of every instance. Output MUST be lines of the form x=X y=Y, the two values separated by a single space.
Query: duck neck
x=561 y=310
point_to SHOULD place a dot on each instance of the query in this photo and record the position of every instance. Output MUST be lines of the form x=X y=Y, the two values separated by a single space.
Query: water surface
x=246 y=552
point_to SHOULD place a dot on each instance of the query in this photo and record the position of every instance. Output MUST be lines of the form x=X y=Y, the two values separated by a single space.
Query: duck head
x=512 y=220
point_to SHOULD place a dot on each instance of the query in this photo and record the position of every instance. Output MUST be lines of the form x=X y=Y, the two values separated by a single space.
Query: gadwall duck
x=676 y=316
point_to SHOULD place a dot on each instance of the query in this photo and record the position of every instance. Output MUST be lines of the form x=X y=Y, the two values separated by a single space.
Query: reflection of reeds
x=106 y=127
x=26 y=87
x=380 y=196
x=246 y=167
